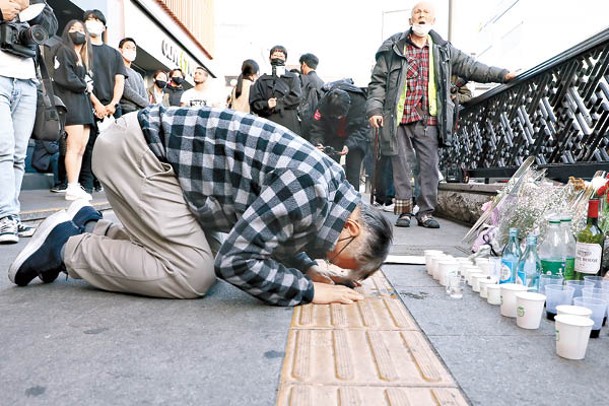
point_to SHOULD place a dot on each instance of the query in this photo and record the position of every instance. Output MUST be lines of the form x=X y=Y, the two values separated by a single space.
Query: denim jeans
x=17 y=116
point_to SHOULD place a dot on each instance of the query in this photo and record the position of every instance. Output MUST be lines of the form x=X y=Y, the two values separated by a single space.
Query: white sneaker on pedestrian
x=389 y=207
x=8 y=230
x=75 y=192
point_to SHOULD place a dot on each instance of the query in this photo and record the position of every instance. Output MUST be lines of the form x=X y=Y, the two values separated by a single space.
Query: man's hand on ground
x=325 y=294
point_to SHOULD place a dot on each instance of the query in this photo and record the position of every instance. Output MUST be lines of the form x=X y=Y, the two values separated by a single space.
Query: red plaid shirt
x=416 y=106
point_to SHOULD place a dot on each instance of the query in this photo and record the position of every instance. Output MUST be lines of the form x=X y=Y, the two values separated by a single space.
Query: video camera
x=330 y=151
x=21 y=38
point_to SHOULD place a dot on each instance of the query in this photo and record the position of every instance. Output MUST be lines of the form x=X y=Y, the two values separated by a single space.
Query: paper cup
x=574 y=311
x=508 y=298
x=446 y=266
x=476 y=278
x=433 y=262
x=428 y=254
x=529 y=308
x=469 y=276
x=572 y=335
x=493 y=294
x=489 y=280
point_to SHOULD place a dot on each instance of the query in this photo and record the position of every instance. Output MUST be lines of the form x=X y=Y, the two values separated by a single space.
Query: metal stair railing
x=557 y=112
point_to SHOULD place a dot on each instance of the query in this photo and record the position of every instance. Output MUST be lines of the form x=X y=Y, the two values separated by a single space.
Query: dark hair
x=126 y=39
x=156 y=72
x=310 y=60
x=175 y=70
x=248 y=67
x=279 y=48
x=85 y=53
x=96 y=14
x=379 y=236
x=335 y=103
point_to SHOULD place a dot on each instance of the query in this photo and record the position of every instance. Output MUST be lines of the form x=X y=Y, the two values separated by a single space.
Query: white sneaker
x=75 y=192
x=8 y=230
x=389 y=207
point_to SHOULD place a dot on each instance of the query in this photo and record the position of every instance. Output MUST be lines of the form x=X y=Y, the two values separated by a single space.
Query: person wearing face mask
x=174 y=87
x=72 y=84
x=109 y=74
x=276 y=96
x=134 y=94
x=156 y=92
x=409 y=101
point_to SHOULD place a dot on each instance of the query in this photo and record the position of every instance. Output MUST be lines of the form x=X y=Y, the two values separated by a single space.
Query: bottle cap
x=593 y=208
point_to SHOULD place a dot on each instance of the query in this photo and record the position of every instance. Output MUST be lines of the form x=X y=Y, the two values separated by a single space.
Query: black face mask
x=178 y=80
x=277 y=62
x=160 y=83
x=78 y=38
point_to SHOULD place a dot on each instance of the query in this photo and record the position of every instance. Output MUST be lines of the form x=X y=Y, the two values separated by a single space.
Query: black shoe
x=81 y=212
x=42 y=255
x=403 y=220
x=427 y=221
x=61 y=188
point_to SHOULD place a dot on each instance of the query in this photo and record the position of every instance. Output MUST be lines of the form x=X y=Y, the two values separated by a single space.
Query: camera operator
x=340 y=127
x=18 y=46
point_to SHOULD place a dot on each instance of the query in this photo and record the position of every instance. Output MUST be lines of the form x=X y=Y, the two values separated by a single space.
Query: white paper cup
x=428 y=254
x=493 y=294
x=508 y=298
x=433 y=258
x=572 y=335
x=476 y=278
x=469 y=276
x=435 y=261
x=485 y=265
x=574 y=311
x=445 y=266
x=489 y=280
x=529 y=308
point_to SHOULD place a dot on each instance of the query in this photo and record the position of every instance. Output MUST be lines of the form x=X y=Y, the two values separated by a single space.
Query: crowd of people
x=250 y=188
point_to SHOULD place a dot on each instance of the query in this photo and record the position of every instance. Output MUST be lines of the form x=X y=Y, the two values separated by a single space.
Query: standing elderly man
x=409 y=97
x=176 y=177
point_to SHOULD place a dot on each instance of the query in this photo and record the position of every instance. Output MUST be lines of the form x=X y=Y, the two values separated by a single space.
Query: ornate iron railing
x=557 y=112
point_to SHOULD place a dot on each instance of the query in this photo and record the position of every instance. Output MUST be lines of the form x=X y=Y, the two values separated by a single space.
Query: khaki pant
x=160 y=249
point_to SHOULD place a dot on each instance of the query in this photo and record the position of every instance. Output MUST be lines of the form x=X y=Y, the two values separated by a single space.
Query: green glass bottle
x=589 y=246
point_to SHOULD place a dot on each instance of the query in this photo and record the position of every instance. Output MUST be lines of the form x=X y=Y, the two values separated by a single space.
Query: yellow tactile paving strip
x=368 y=353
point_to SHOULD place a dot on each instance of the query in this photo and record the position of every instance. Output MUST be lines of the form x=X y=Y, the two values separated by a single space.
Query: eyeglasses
x=350 y=238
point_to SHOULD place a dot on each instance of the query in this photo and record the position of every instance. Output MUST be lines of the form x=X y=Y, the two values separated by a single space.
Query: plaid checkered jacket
x=281 y=201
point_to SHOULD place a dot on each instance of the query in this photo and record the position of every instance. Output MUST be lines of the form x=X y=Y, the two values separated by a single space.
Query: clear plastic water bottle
x=509 y=258
x=551 y=250
x=529 y=266
x=569 y=247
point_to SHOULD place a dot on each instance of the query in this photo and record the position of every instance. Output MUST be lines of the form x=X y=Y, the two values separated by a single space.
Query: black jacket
x=388 y=78
x=357 y=133
x=286 y=89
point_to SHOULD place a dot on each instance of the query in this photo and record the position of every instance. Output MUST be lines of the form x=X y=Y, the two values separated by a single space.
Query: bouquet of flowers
x=527 y=201
x=600 y=184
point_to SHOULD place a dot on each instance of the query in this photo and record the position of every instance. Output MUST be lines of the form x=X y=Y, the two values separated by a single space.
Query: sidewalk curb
x=41 y=214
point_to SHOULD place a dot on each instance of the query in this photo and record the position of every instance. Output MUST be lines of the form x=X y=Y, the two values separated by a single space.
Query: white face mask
x=95 y=28
x=129 y=55
x=421 y=30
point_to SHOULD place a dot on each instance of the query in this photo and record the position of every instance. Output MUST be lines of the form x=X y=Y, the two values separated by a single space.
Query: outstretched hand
x=325 y=294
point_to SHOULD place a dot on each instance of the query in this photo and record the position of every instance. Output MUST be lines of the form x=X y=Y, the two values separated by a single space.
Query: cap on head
x=96 y=14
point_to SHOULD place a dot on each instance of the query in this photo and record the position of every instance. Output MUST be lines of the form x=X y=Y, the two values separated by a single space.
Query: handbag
x=50 y=110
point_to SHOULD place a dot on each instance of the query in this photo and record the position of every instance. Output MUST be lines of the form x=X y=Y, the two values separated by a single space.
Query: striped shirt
x=416 y=106
x=281 y=201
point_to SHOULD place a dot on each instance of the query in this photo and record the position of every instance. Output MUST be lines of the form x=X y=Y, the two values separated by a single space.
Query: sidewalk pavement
x=69 y=344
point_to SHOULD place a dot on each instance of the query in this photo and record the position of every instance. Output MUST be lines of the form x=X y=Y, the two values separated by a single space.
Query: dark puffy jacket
x=388 y=78
x=357 y=132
